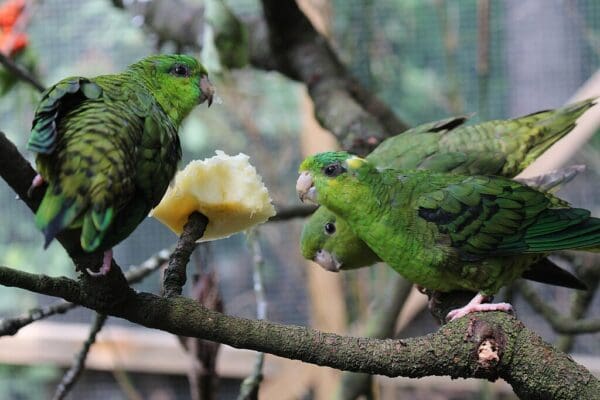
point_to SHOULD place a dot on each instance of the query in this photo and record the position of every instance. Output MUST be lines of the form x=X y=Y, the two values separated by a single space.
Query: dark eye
x=333 y=170
x=330 y=228
x=180 y=70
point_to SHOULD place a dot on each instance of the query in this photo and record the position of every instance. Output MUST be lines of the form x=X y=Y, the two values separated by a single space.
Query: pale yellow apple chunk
x=226 y=189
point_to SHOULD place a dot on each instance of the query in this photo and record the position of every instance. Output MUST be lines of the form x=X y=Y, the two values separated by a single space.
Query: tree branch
x=71 y=376
x=250 y=386
x=175 y=274
x=380 y=325
x=558 y=322
x=20 y=72
x=290 y=212
x=10 y=326
x=485 y=345
x=353 y=114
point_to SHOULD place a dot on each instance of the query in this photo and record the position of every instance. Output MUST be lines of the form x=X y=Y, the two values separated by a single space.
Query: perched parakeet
x=443 y=231
x=108 y=147
x=494 y=147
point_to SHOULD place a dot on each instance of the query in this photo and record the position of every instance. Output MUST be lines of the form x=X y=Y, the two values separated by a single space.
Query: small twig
x=21 y=72
x=71 y=376
x=379 y=325
x=10 y=326
x=202 y=374
x=175 y=274
x=582 y=299
x=289 y=212
x=558 y=322
x=250 y=385
x=137 y=274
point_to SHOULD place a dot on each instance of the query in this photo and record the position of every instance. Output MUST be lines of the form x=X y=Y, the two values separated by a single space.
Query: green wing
x=55 y=102
x=492 y=216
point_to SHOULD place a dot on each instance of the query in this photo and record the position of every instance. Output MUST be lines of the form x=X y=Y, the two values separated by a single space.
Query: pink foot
x=475 y=305
x=36 y=182
x=106 y=263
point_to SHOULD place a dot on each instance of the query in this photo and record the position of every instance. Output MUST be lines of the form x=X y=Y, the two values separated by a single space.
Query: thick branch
x=10 y=326
x=488 y=345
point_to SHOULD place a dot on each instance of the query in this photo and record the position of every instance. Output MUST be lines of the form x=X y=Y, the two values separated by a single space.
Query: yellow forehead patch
x=355 y=162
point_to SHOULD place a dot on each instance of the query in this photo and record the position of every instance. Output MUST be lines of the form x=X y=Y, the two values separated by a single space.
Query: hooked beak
x=305 y=188
x=328 y=261
x=207 y=89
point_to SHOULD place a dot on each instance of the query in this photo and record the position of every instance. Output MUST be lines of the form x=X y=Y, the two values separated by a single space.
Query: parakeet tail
x=554 y=124
x=545 y=271
x=54 y=214
x=582 y=235
x=95 y=225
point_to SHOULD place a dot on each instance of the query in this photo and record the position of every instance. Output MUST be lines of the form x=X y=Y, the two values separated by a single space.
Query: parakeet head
x=329 y=241
x=178 y=82
x=321 y=174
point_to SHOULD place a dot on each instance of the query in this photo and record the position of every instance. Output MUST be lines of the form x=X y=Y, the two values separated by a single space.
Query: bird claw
x=106 y=264
x=36 y=182
x=475 y=306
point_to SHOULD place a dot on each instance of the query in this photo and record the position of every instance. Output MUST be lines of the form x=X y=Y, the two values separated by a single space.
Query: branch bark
x=485 y=345
x=10 y=326
x=175 y=274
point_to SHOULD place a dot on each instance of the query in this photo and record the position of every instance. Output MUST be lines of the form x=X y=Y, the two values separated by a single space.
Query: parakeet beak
x=207 y=89
x=328 y=261
x=305 y=188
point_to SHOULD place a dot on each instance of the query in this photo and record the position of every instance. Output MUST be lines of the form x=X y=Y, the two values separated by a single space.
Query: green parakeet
x=493 y=147
x=445 y=231
x=108 y=147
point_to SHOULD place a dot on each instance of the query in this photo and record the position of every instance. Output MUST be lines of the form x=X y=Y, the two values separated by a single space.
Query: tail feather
x=585 y=234
x=545 y=271
x=55 y=214
x=95 y=226
x=554 y=124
